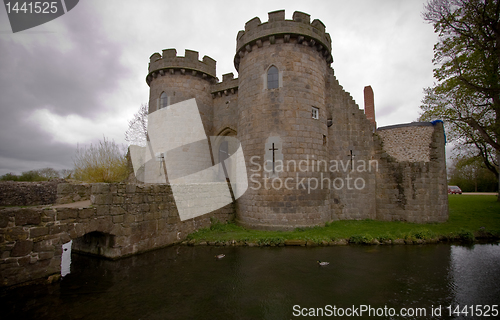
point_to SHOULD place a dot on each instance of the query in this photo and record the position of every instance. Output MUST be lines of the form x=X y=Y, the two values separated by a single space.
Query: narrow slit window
x=163 y=100
x=315 y=113
x=272 y=78
x=223 y=156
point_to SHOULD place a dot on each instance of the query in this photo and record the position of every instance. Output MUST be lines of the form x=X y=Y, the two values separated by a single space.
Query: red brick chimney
x=370 y=105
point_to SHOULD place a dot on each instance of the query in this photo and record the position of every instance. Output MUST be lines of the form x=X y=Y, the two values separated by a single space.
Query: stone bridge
x=119 y=220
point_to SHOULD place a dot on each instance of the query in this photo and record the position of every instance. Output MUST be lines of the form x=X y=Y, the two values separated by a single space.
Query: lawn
x=471 y=216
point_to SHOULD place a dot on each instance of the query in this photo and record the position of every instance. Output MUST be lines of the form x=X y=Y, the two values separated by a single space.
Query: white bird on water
x=324 y=263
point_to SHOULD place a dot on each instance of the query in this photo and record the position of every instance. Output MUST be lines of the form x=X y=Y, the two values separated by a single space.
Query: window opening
x=272 y=78
x=163 y=100
x=223 y=156
x=315 y=113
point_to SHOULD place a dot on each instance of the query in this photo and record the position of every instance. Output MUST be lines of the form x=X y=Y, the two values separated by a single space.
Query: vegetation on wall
x=102 y=162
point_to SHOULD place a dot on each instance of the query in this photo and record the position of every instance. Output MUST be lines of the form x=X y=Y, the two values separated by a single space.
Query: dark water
x=266 y=283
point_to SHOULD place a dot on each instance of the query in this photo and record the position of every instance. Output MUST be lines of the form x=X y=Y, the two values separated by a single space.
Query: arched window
x=272 y=78
x=163 y=100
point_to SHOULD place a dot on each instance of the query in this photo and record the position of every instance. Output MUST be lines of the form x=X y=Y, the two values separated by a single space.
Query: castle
x=311 y=154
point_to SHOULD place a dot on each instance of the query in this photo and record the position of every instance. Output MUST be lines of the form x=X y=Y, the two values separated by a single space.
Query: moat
x=183 y=282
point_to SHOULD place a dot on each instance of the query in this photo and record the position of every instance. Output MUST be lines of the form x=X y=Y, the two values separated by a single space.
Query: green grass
x=470 y=216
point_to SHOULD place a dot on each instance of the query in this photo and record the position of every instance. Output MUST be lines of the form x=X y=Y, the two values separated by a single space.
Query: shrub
x=423 y=234
x=466 y=236
x=386 y=236
x=31 y=175
x=271 y=240
x=104 y=162
x=361 y=239
x=35 y=175
x=9 y=177
x=216 y=225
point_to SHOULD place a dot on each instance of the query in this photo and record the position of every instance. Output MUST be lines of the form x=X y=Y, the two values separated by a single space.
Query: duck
x=220 y=256
x=324 y=263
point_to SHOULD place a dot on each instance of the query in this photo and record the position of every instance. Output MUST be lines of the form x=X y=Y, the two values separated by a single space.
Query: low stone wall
x=72 y=192
x=21 y=193
x=30 y=244
x=145 y=217
x=122 y=220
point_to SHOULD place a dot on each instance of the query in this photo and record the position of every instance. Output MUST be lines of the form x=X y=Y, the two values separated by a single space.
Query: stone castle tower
x=312 y=155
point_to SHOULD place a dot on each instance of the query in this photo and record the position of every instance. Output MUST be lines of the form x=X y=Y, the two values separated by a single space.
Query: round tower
x=282 y=122
x=174 y=79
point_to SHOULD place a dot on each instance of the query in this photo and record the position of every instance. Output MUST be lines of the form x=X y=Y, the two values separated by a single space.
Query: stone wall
x=124 y=219
x=390 y=173
x=408 y=188
x=72 y=192
x=225 y=102
x=145 y=217
x=30 y=244
x=408 y=142
x=20 y=193
x=350 y=145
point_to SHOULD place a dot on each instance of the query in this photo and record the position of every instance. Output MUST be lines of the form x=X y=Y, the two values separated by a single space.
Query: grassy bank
x=471 y=217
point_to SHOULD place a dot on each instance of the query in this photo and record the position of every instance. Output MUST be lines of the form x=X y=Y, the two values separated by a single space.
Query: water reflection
x=262 y=283
x=475 y=274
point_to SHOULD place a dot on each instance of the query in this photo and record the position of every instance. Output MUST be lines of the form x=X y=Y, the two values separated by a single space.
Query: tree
x=9 y=177
x=104 y=162
x=66 y=173
x=471 y=175
x=137 y=132
x=48 y=173
x=467 y=59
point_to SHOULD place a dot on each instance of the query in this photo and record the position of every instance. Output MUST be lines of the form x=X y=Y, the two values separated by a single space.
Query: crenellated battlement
x=169 y=62
x=299 y=30
x=229 y=85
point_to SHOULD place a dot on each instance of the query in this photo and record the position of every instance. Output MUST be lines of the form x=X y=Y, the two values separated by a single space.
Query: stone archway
x=94 y=243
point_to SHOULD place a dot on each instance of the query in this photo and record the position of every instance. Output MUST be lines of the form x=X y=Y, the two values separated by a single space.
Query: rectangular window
x=315 y=113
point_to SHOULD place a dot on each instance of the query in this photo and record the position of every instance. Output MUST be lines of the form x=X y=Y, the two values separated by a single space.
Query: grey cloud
x=37 y=74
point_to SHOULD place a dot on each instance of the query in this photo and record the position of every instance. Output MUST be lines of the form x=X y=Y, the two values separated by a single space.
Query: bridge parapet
x=122 y=220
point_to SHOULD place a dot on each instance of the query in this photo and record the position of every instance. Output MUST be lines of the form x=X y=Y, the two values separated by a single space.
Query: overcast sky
x=81 y=76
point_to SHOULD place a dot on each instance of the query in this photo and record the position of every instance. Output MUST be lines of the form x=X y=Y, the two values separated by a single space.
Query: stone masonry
x=312 y=156
x=122 y=220
x=22 y=193
x=349 y=168
x=408 y=143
